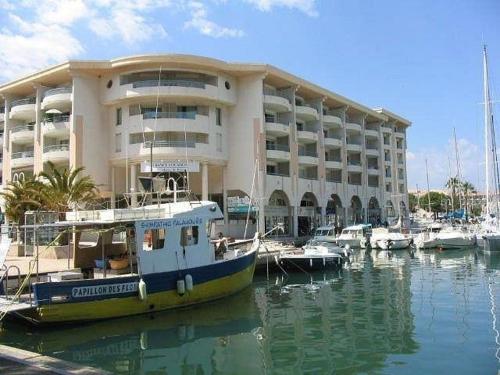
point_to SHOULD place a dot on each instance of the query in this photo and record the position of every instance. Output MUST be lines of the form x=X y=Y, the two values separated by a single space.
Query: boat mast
x=486 y=122
x=428 y=189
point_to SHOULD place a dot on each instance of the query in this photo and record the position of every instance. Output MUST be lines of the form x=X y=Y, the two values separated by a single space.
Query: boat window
x=330 y=232
x=189 y=236
x=209 y=225
x=154 y=239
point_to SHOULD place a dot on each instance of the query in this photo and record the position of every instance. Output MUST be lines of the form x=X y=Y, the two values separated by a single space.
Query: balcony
x=276 y=101
x=169 y=122
x=177 y=149
x=330 y=121
x=373 y=170
x=277 y=129
x=354 y=127
x=57 y=126
x=353 y=166
x=23 y=134
x=307 y=136
x=372 y=151
x=308 y=157
x=21 y=159
x=278 y=152
x=333 y=164
x=56 y=153
x=59 y=98
x=369 y=133
x=353 y=147
x=23 y=109
x=333 y=142
x=306 y=113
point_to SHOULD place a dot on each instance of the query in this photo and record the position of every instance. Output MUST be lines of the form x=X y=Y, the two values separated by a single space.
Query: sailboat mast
x=428 y=189
x=486 y=98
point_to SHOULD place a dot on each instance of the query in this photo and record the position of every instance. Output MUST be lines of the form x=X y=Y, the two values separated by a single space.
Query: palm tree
x=467 y=188
x=452 y=185
x=66 y=190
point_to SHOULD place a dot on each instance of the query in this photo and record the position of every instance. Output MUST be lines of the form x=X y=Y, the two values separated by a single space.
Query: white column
x=113 y=189
x=133 y=184
x=224 y=199
x=204 y=181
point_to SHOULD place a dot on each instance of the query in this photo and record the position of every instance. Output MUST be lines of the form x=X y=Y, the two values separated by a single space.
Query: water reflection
x=387 y=311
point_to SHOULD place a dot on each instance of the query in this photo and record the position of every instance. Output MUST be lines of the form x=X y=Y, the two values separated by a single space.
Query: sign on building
x=171 y=166
x=238 y=205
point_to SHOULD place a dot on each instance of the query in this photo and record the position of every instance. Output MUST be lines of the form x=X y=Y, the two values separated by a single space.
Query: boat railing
x=5 y=278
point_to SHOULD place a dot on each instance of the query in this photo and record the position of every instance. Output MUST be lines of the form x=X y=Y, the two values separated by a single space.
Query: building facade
x=303 y=155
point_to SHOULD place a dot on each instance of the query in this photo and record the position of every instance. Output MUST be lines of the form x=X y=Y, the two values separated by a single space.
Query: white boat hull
x=352 y=242
x=491 y=243
x=393 y=244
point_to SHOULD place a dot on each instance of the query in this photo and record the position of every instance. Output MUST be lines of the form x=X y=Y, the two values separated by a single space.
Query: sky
x=421 y=59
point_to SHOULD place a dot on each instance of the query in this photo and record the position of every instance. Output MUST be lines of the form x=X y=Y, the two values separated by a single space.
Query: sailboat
x=491 y=239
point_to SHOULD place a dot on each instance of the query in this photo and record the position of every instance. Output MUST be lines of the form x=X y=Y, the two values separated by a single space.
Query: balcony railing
x=278 y=174
x=191 y=115
x=271 y=92
x=23 y=102
x=57 y=91
x=307 y=177
x=274 y=120
x=57 y=118
x=52 y=148
x=354 y=162
x=338 y=160
x=333 y=179
x=188 y=144
x=313 y=154
x=168 y=82
x=372 y=166
x=277 y=147
x=22 y=128
x=23 y=154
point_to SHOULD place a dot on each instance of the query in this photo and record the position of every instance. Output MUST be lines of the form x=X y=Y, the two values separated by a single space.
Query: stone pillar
x=224 y=199
x=204 y=181
x=296 y=220
x=133 y=184
x=113 y=189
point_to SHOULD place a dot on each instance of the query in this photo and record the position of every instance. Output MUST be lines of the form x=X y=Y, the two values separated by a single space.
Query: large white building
x=304 y=154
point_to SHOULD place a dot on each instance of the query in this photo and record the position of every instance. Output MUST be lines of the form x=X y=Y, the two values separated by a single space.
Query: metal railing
x=274 y=120
x=22 y=154
x=278 y=174
x=371 y=147
x=22 y=128
x=52 y=148
x=277 y=147
x=332 y=179
x=313 y=154
x=57 y=91
x=189 y=144
x=23 y=102
x=307 y=177
x=338 y=160
x=372 y=167
x=169 y=82
x=56 y=118
x=191 y=115
x=271 y=92
x=354 y=162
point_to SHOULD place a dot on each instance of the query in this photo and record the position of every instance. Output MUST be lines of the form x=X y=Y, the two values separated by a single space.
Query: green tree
x=453 y=184
x=413 y=202
x=66 y=190
x=22 y=196
x=440 y=202
x=468 y=189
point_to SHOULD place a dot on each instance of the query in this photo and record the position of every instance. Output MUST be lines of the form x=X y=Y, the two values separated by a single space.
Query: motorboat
x=325 y=233
x=171 y=262
x=394 y=241
x=354 y=235
x=314 y=255
x=445 y=238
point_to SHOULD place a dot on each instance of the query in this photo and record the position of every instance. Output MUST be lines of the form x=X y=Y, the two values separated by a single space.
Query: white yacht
x=445 y=238
x=354 y=235
x=325 y=233
x=394 y=241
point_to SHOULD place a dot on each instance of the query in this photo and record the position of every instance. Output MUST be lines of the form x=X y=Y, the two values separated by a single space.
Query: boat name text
x=171 y=223
x=103 y=290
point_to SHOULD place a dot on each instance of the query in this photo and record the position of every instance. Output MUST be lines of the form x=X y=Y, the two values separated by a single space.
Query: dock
x=18 y=361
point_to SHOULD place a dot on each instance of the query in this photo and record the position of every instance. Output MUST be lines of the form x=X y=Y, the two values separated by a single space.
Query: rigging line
x=187 y=187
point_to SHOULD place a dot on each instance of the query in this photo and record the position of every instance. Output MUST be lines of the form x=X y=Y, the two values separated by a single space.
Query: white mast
x=486 y=123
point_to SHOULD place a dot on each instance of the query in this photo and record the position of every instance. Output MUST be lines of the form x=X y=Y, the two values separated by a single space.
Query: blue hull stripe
x=157 y=282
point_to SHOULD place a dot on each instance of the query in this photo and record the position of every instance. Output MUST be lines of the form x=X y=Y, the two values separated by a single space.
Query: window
x=271 y=169
x=154 y=239
x=189 y=236
x=218 y=116
x=118 y=116
x=118 y=142
x=218 y=142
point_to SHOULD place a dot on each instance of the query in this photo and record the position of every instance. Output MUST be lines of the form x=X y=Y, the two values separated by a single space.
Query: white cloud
x=206 y=27
x=442 y=164
x=306 y=6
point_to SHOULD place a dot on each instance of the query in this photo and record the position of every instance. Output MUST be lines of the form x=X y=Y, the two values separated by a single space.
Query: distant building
x=320 y=157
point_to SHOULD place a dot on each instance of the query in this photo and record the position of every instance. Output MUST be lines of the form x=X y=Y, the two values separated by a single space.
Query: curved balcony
x=21 y=159
x=372 y=151
x=277 y=103
x=275 y=128
x=278 y=152
x=353 y=147
x=306 y=113
x=307 y=136
x=59 y=98
x=169 y=122
x=330 y=121
x=171 y=88
x=372 y=170
x=57 y=126
x=308 y=157
x=333 y=164
x=353 y=127
x=23 y=109
x=56 y=153
x=333 y=142
x=23 y=134
x=370 y=133
x=169 y=149
x=353 y=167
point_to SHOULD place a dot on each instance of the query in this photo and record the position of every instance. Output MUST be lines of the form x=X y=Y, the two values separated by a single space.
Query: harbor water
x=422 y=312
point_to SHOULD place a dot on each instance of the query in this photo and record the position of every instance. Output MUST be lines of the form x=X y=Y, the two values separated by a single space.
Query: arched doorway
x=356 y=211
x=309 y=215
x=278 y=213
x=389 y=209
x=239 y=208
x=402 y=209
x=335 y=211
x=374 y=212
